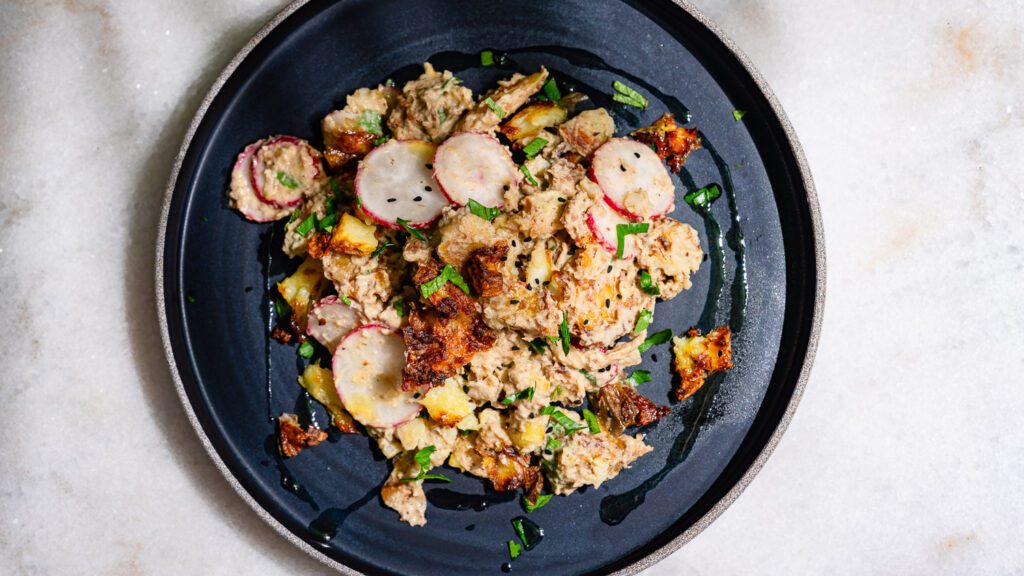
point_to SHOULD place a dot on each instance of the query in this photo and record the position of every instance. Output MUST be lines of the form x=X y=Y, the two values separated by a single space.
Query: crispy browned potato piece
x=671 y=142
x=292 y=439
x=483 y=269
x=509 y=470
x=621 y=406
x=697 y=357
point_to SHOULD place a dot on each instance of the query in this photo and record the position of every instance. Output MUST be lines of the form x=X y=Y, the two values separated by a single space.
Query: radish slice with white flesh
x=368 y=377
x=284 y=170
x=242 y=196
x=330 y=320
x=603 y=223
x=395 y=181
x=634 y=181
x=471 y=166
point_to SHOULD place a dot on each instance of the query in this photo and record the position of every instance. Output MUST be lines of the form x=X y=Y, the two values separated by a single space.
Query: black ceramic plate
x=764 y=277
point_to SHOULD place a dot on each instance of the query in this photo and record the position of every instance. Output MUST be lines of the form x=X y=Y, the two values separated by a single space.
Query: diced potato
x=448 y=404
x=301 y=288
x=319 y=382
x=697 y=357
x=531 y=120
x=411 y=433
x=470 y=422
x=353 y=236
x=540 y=267
x=528 y=435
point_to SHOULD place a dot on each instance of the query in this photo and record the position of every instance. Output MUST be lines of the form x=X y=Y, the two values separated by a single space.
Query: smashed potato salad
x=474 y=270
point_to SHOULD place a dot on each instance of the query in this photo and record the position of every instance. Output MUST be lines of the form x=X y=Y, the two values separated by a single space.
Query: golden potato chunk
x=697 y=357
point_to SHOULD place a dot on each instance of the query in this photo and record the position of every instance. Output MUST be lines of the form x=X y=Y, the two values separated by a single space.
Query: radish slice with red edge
x=471 y=166
x=284 y=170
x=330 y=320
x=634 y=180
x=603 y=223
x=395 y=181
x=367 y=368
x=242 y=196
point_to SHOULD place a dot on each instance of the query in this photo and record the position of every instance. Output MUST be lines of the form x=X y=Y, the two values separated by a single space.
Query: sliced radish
x=283 y=170
x=241 y=194
x=475 y=166
x=603 y=223
x=368 y=376
x=634 y=181
x=330 y=320
x=395 y=181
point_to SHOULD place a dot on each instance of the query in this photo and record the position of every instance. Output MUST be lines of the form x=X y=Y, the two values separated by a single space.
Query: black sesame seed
x=585 y=322
x=545 y=283
x=560 y=199
x=416 y=395
x=428 y=188
x=515 y=348
x=429 y=166
x=513 y=243
x=637 y=154
x=528 y=239
x=529 y=287
x=619 y=296
x=607 y=302
x=622 y=167
x=513 y=301
x=392 y=199
x=610 y=268
x=417 y=199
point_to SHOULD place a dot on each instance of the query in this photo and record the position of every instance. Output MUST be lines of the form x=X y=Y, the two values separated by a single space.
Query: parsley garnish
x=643 y=320
x=399 y=308
x=738 y=115
x=563 y=332
x=704 y=197
x=482 y=211
x=638 y=377
x=448 y=274
x=307 y=225
x=534 y=147
x=529 y=177
x=517 y=525
x=592 y=423
x=306 y=349
x=647 y=284
x=514 y=549
x=412 y=231
x=287 y=180
x=656 y=338
x=380 y=249
x=498 y=110
x=381 y=140
x=369 y=121
x=628 y=96
x=486 y=58
x=542 y=500
x=622 y=230
x=538 y=345
x=561 y=420
x=345 y=299
x=521 y=395
x=423 y=459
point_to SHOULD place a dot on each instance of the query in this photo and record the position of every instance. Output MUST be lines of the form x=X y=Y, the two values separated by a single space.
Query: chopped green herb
x=738 y=115
x=295 y=216
x=482 y=211
x=190 y=298
x=643 y=320
x=399 y=307
x=628 y=96
x=423 y=459
x=380 y=249
x=590 y=377
x=441 y=115
x=287 y=180
x=563 y=332
x=514 y=549
x=623 y=230
x=452 y=80
x=655 y=339
x=448 y=274
x=335 y=188
x=345 y=299
x=704 y=197
x=647 y=284
x=517 y=525
x=389 y=82
x=307 y=225
x=498 y=110
x=412 y=231
x=592 y=423
x=369 y=121
x=561 y=420
x=534 y=147
x=486 y=58
x=638 y=377
x=553 y=444
x=306 y=349
x=551 y=90
x=281 y=307
x=381 y=140
x=538 y=345
x=529 y=177
x=542 y=500
x=204 y=218
x=521 y=395
x=327 y=224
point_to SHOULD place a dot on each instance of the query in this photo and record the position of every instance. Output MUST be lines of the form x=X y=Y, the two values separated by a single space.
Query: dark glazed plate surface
x=705 y=452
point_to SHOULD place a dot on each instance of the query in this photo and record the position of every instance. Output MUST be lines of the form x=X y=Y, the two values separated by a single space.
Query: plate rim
x=654 y=556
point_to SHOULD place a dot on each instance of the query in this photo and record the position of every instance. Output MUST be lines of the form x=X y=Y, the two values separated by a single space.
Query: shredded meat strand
x=621 y=406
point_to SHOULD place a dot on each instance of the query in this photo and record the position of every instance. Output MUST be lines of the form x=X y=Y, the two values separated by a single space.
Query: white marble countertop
x=906 y=455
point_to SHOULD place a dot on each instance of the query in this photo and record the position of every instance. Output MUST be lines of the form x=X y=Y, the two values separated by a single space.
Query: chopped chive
x=542 y=500
x=628 y=96
x=451 y=80
x=306 y=349
x=441 y=115
x=448 y=274
x=551 y=91
x=563 y=332
x=521 y=395
x=622 y=230
x=287 y=180
x=486 y=58
x=643 y=320
x=307 y=225
x=345 y=299
x=538 y=345
x=327 y=223
x=655 y=339
x=592 y=423
x=529 y=177
x=380 y=249
x=191 y=299
x=738 y=115
x=647 y=284
x=534 y=147
x=703 y=197
x=369 y=121
x=399 y=308
x=553 y=444
x=281 y=307
x=381 y=140
x=517 y=525
x=412 y=231
x=561 y=420
x=514 y=549
x=482 y=211
x=498 y=110
x=295 y=216
x=590 y=377
x=204 y=218
x=638 y=377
